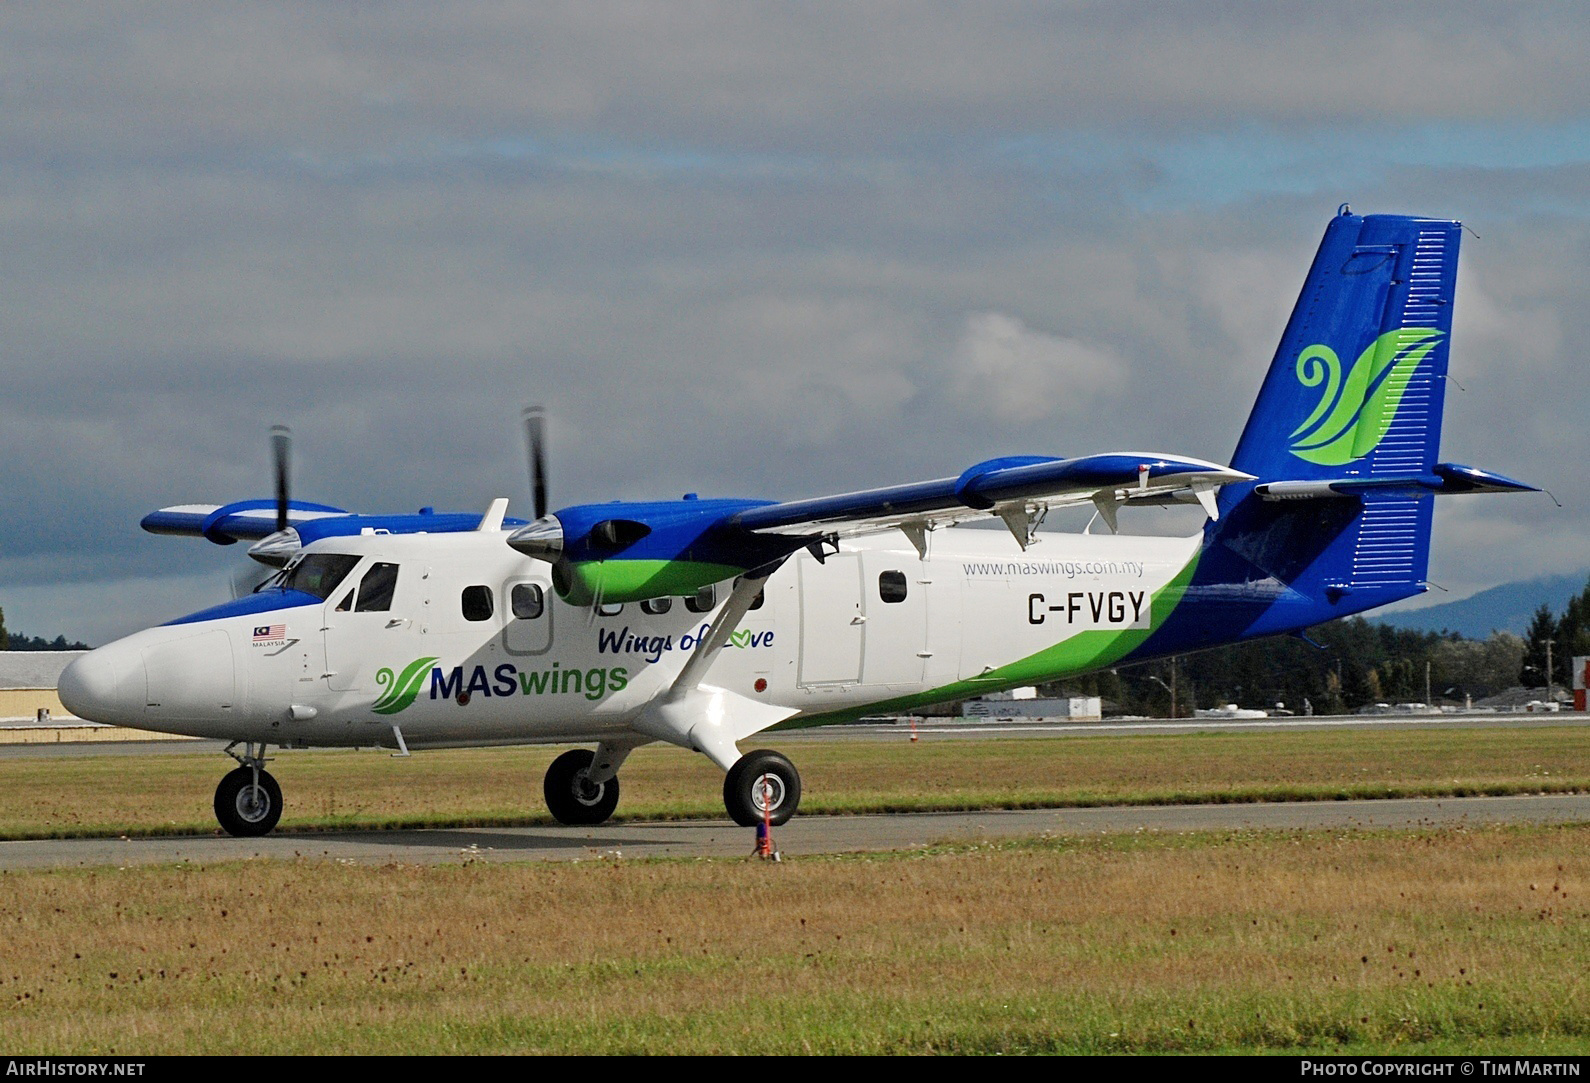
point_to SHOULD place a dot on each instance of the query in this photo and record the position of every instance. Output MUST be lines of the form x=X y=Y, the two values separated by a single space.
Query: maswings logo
x=1355 y=412
x=402 y=690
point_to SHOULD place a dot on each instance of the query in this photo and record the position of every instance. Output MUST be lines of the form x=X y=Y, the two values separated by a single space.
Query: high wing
x=625 y=551
x=256 y=521
x=628 y=551
x=225 y=524
x=1017 y=489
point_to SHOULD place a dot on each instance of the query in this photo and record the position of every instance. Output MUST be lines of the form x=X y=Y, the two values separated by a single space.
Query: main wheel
x=761 y=783
x=245 y=809
x=574 y=799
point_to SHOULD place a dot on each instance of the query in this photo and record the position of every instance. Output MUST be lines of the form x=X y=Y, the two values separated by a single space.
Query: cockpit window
x=319 y=573
x=375 y=589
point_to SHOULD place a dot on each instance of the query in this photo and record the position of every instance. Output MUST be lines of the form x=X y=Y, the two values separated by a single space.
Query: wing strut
x=746 y=588
x=699 y=716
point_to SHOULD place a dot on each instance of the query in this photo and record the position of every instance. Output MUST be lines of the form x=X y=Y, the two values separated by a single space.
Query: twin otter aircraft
x=702 y=622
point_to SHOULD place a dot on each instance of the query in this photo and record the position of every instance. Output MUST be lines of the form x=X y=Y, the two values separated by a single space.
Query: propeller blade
x=246 y=581
x=281 y=447
x=535 y=431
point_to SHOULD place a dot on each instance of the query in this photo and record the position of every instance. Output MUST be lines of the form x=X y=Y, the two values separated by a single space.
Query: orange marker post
x=764 y=830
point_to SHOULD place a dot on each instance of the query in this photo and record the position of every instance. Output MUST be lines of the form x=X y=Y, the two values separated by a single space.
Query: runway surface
x=937 y=729
x=803 y=835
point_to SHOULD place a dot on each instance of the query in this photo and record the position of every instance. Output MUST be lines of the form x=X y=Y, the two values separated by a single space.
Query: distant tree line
x=16 y=641
x=1568 y=634
x=1338 y=668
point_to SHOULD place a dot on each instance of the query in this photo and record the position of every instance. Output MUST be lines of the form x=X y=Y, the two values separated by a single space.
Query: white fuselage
x=830 y=636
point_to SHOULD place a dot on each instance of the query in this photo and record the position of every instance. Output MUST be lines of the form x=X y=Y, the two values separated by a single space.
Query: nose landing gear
x=248 y=802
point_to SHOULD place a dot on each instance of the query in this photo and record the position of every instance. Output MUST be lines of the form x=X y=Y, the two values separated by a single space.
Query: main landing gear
x=581 y=787
x=248 y=802
x=761 y=786
x=573 y=797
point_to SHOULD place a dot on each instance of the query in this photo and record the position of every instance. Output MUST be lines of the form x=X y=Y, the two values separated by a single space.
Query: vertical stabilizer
x=1344 y=436
x=1355 y=390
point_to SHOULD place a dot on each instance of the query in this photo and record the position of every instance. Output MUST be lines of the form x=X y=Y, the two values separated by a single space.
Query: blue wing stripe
x=251 y=519
x=981 y=487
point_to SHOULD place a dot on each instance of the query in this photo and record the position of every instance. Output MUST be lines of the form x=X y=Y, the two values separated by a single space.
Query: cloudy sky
x=767 y=249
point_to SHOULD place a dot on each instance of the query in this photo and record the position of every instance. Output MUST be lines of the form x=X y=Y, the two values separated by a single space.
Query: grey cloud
x=734 y=249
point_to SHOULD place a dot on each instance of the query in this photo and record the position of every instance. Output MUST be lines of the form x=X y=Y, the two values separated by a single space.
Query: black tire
x=245 y=810
x=753 y=776
x=574 y=800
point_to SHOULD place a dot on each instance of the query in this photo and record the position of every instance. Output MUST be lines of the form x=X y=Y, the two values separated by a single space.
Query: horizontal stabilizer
x=1446 y=478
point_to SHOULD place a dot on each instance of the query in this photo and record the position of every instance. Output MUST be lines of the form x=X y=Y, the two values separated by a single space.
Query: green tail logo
x=401 y=690
x=1355 y=413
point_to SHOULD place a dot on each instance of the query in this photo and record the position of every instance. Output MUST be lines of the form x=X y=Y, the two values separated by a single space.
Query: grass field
x=167 y=793
x=1455 y=941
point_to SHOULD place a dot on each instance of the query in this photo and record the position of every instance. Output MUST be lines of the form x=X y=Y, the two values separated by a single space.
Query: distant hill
x=1506 y=608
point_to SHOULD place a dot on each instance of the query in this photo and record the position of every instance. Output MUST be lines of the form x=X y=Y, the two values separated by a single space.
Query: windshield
x=319 y=573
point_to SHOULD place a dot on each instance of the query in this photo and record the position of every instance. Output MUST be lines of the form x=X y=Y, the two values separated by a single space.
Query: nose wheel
x=247 y=806
x=248 y=802
x=762 y=786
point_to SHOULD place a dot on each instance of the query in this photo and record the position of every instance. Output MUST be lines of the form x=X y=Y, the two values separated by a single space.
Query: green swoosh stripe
x=402 y=691
x=1081 y=653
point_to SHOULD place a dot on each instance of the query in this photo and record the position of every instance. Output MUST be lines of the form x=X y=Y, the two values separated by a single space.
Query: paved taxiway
x=937 y=729
x=829 y=834
x=803 y=835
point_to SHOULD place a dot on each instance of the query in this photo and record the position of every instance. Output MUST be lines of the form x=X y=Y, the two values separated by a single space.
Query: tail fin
x=1355 y=390
x=1346 y=430
x=1338 y=520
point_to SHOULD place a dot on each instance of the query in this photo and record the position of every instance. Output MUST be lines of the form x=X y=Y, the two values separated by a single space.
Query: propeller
x=277 y=549
x=281 y=451
x=246 y=581
x=535 y=433
x=543 y=538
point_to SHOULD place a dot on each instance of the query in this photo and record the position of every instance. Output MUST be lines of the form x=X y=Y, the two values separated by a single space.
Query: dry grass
x=1445 y=941
x=157 y=793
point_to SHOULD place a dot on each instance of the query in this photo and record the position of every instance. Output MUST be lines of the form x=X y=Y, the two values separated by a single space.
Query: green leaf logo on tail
x=1355 y=412
x=401 y=690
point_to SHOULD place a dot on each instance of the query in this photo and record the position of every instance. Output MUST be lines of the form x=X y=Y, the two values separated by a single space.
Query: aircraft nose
x=106 y=685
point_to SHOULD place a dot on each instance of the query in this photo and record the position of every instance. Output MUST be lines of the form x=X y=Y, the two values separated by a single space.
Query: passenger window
x=891 y=586
x=477 y=603
x=609 y=609
x=528 y=601
x=703 y=600
x=375 y=589
x=656 y=606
